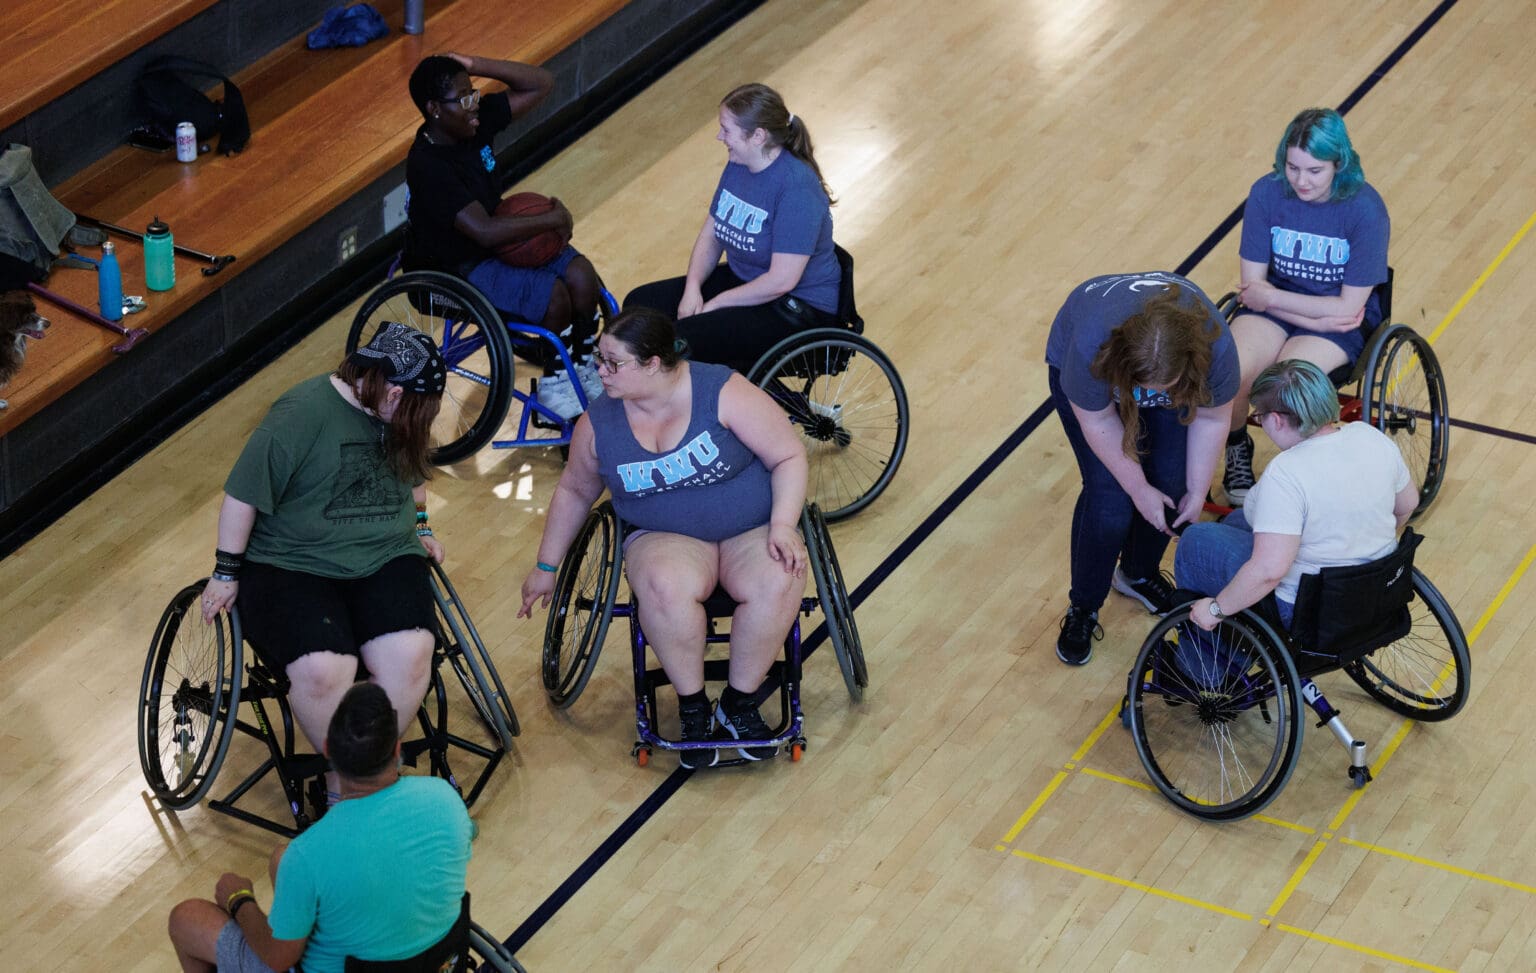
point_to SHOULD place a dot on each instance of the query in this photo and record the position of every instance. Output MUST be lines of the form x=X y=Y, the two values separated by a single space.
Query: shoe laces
x=1239 y=461
x=1080 y=625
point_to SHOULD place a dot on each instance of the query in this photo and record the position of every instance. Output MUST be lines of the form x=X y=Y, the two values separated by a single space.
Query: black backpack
x=170 y=89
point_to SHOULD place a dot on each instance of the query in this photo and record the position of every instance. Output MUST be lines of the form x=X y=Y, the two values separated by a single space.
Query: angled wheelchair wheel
x=1424 y=675
x=582 y=606
x=466 y=653
x=474 y=344
x=843 y=394
x=1216 y=716
x=835 y=605
x=490 y=953
x=1404 y=392
x=188 y=700
x=1227 y=305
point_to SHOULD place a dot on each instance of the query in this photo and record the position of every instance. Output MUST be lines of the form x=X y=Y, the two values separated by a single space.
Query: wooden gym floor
x=982 y=809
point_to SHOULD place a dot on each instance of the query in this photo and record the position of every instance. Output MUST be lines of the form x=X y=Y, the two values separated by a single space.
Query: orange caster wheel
x=796 y=751
x=643 y=756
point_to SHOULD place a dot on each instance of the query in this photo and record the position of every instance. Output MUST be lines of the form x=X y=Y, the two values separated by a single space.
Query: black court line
x=674 y=781
x=1519 y=437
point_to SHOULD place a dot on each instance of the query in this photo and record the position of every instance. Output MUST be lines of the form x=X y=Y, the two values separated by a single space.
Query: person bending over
x=703 y=467
x=1314 y=247
x=380 y=877
x=1335 y=495
x=323 y=535
x=772 y=218
x=1142 y=372
x=454 y=185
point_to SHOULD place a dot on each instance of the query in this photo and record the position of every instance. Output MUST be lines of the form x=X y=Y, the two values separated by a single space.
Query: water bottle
x=109 y=283
x=159 y=257
x=415 y=16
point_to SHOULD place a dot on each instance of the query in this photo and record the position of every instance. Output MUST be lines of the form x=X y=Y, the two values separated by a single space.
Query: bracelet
x=243 y=900
x=229 y=903
x=222 y=576
x=423 y=532
x=421 y=516
x=226 y=565
x=546 y=567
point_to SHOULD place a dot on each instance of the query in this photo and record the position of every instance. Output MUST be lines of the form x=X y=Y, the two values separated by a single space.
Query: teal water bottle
x=159 y=257
x=109 y=283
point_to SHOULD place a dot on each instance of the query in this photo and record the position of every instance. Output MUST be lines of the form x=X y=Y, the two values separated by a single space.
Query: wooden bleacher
x=325 y=124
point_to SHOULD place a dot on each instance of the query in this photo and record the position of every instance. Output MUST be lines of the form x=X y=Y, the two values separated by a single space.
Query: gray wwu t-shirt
x=1101 y=305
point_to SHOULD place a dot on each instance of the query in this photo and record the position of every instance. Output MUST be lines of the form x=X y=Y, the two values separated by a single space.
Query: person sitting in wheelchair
x=772 y=219
x=1335 y=495
x=454 y=188
x=703 y=467
x=323 y=535
x=380 y=877
x=1313 y=249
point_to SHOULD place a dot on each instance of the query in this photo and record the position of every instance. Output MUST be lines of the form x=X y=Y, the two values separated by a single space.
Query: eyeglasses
x=467 y=102
x=606 y=364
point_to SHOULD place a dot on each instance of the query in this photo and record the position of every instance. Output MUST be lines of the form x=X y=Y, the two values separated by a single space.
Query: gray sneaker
x=1238 y=478
x=556 y=394
x=590 y=382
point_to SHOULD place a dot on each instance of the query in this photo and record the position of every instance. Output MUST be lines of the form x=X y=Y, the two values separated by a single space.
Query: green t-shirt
x=379 y=877
x=327 y=502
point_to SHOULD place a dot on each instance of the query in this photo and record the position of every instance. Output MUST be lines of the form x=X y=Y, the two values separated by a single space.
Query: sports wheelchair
x=839 y=389
x=1399 y=388
x=191 y=691
x=1216 y=716
x=586 y=599
x=465 y=948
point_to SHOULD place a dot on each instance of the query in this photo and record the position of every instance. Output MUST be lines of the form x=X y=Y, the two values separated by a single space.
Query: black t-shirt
x=442 y=180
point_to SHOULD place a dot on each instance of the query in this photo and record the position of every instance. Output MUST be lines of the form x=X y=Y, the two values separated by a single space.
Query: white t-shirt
x=1335 y=491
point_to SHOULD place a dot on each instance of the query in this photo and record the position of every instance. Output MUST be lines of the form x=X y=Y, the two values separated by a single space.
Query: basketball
x=535 y=251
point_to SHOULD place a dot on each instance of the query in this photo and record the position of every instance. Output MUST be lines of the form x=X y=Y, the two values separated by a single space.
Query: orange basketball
x=535 y=251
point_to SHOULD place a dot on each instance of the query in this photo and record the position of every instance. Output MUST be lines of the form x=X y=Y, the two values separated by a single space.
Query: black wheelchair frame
x=586 y=600
x=1216 y=717
x=189 y=711
x=456 y=952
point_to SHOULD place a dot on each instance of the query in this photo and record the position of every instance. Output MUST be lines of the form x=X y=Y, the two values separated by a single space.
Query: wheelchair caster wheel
x=1125 y=712
x=796 y=751
x=642 y=755
x=1359 y=776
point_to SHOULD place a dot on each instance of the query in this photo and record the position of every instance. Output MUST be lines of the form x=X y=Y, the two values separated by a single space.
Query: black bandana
x=410 y=358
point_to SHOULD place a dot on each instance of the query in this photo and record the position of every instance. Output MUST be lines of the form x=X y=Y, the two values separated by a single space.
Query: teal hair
x=1320 y=133
x=1297 y=389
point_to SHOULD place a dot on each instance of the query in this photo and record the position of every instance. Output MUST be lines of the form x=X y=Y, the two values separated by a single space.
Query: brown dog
x=19 y=321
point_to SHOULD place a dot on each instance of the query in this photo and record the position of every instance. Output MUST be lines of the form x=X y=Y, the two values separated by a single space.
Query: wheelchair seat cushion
x=1343 y=613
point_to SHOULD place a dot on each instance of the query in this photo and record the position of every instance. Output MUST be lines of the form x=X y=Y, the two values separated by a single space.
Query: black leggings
x=734 y=336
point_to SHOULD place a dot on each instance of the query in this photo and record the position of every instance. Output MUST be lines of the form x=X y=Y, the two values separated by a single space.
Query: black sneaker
x=698 y=726
x=745 y=725
x=1155 y=591
x=1078 y=630
x=1238 y=478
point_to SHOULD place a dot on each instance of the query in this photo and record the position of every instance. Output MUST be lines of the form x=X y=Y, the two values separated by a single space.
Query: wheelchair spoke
x=1423 y=675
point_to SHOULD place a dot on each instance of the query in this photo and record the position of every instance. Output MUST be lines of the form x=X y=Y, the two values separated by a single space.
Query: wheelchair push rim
x=844 y=396
x=474 y=344
x=1405 y=398
x=832 y=594
x=472 y=663
x=188 y=698
x=1216 y=717
x=581 y=608
x=1426 y=674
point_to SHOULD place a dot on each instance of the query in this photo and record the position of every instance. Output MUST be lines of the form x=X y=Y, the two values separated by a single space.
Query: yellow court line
x=1138 y=886
x=1116 y=778
x=1498 y=599
x=1442 y=866
x=1034 y=806
x=1482 y=278
x=1098 y=731
x=1304 y=829
x=1379 y=954
x=1296 y=877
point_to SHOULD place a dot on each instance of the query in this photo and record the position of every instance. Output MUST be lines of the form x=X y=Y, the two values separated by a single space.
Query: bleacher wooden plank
x=346 y=119
x=49 y=46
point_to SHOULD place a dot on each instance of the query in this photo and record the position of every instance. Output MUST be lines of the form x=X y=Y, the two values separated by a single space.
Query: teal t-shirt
x=379 y=877
x=327 y=502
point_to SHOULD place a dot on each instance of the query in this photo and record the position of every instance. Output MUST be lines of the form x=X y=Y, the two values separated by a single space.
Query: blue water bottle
x=109 y=283
x=159 y=257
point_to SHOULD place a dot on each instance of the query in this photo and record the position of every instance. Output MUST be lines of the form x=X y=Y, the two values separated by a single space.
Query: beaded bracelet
x=423 y=532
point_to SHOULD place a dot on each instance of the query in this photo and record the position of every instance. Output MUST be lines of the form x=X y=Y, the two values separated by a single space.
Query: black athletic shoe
x=1155 y=591
x=698 y=726
x=745 y=725
x=1079 y=629
x=1238 y=478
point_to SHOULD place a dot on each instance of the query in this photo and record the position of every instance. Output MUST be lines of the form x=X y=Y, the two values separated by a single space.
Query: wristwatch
x=1216 y=611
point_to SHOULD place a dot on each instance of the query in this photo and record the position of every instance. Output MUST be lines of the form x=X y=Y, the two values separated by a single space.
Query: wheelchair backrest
x=847 y=313
x=1343 y=613
x=447 y=955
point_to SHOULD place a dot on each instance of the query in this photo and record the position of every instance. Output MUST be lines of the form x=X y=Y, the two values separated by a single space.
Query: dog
x=19 y=321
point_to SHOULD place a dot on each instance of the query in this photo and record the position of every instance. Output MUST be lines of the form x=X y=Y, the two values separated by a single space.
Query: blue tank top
x=710 y=486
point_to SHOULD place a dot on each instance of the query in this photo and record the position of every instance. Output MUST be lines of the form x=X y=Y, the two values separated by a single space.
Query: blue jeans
x=1105 y=524
x=1209 y=555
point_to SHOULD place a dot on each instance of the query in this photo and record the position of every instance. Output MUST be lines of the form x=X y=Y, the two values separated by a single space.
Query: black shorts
x=289 y=614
